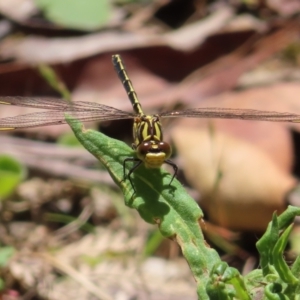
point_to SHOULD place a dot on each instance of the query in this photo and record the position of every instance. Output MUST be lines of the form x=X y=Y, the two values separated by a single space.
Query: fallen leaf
x=99 y=83
x=240 y=186
x=284 y=7
x=35 y=49
x=26 y=9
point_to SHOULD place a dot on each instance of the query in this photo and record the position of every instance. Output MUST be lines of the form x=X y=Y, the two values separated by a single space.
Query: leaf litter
x=58 y=261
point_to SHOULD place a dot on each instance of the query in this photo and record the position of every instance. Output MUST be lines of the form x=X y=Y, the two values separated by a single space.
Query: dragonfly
x=148 y=142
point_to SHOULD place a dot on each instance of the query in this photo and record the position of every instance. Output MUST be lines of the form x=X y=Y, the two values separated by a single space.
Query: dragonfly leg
x=175 y=168
x=138 y=163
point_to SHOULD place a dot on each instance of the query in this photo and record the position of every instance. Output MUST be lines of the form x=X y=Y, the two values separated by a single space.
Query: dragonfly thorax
x=146 y=128
x=148 y=141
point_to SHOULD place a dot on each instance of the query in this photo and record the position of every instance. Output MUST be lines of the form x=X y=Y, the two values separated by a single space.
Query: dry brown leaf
x=284 y=7
x=34 y=49
x=246 y=21
x=264 y=151
x=240 y=185
x=273 y=138
x=281 y=97
x=25 y=9
x=223 y=74
x=220 y=77
x=99 y=83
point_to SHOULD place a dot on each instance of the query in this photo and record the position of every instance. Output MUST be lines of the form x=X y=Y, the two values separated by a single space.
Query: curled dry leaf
x=253 y=159
x=240 y=185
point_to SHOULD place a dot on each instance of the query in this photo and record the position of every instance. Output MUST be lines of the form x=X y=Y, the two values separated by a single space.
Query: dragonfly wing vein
x=56 y=104
x=58 y=117
x=231 y=113
x=42 y=102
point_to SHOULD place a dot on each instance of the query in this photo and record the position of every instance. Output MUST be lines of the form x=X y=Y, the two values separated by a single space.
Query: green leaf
x=65 y=219
x=268 y=241
x=170 y=207
x=273 y=292
x=226 y=283
x=279 y=263
x=77 y=14
x=69 y=140
x=296 y=267
x=283 y=281
x=5 y=254
x=153 y=243
x=266 y=244
x=54 y=81
x=11 y=174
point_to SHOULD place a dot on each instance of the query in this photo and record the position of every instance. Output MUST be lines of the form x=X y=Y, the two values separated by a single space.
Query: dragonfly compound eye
x=153 y=153
x=144 y=148
x=166 y=148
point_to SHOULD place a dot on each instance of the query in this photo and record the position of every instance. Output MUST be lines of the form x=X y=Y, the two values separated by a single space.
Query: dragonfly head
x=153 y=153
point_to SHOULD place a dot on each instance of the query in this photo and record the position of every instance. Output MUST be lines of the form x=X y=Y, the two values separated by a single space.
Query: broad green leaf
x=12 y=173
x=178 y=217
x=77 y=14
x=170 y=207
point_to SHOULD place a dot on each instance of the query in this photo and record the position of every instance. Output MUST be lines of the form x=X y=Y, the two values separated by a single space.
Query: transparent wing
x=55 y=104
x=231 y=113
x=82 y=111
x=44 y=103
